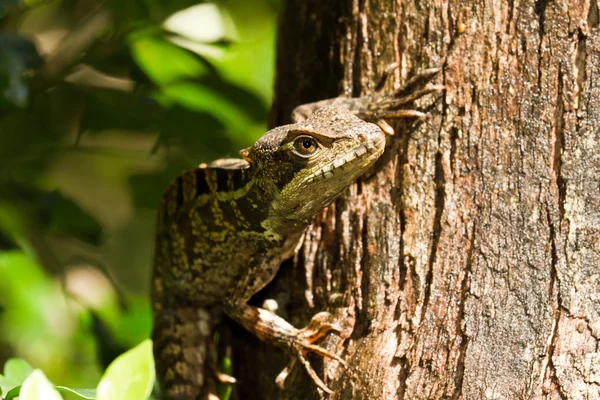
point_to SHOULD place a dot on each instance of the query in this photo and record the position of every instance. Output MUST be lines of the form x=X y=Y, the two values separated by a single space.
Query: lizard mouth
x=365 y=153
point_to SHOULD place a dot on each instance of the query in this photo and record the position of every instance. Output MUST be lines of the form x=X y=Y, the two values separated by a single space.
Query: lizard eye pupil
x=305 y=146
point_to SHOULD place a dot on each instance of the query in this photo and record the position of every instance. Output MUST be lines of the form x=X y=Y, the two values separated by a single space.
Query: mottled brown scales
x=224 y=228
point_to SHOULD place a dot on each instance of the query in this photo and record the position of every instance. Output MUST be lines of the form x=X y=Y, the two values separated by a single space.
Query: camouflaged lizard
x=224 y=228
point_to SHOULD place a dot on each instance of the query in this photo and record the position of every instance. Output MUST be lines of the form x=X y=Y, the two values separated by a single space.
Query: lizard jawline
x=372 y=149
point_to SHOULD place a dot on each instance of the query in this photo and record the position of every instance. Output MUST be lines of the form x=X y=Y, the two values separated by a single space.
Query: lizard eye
x=305 y=146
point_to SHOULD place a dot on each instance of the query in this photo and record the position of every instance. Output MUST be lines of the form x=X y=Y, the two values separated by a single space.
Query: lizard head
x=303 y=167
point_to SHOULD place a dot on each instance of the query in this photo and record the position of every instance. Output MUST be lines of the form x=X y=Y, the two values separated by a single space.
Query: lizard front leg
x=273 y=329
x=270 y=328
x=379 y=106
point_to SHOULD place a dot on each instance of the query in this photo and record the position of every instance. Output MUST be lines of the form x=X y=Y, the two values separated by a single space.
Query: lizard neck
x=278 y=226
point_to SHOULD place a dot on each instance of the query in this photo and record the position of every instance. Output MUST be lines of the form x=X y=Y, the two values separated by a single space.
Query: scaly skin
x=223 y=230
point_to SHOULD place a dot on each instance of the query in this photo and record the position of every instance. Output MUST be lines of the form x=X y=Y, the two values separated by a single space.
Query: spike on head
x=244 y=153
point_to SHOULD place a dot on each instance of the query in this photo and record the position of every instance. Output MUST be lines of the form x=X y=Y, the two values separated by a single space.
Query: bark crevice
x=462 y=335
x=540 y=10
x=556 y=305
x=440 y=199
x=593 y=18
x=559 y=145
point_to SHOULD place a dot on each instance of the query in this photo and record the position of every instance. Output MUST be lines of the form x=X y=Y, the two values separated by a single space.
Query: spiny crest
x=222 y=179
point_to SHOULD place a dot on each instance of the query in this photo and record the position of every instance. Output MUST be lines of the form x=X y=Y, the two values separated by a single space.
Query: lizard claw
x=280 y=380
x=385 y=127
x=396 y=105
x=224 y=378
x=302 y=344
x=400 y=101
x=299 y=342
x=385 y=75
x=417 y=79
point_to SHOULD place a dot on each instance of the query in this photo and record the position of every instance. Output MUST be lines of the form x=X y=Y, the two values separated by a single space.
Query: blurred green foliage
x=130 y=376
x=101 y=104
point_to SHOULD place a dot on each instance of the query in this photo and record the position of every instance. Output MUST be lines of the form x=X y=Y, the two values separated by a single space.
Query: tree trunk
x=467 y=264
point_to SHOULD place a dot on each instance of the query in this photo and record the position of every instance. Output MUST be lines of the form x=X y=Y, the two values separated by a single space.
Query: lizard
x=224 y=228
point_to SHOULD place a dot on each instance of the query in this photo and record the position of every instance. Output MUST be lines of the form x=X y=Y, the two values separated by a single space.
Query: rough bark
x=468 y=264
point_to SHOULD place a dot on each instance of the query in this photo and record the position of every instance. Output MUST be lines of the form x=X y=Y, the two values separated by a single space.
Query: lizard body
x=224 y=228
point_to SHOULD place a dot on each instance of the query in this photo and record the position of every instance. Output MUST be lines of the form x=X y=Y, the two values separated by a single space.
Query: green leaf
x=112 y=109
x=17 y=368
x=11 y=220
x=200 y=98
x=13 y=394
x=207 y=22
x=88 y=394
x=16 y=371
x=130 y=376
x=163 y=61
x=38 y=387
x=224 y=390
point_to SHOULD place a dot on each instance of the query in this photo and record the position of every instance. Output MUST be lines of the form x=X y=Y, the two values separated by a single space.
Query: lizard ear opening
x=245 y=154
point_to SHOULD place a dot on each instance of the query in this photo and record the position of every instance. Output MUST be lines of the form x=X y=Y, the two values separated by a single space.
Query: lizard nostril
x=363 y=138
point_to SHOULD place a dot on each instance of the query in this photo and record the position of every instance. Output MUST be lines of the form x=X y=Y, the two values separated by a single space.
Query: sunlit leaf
x=163 y=61
x=88 y=394
x=130 y=376
x=17 y=368
x=205 y=22
x=200 y=98
x=16 y=371
x=211 y=52
x=240 y=96
x=31 y=315
x=38 y=387
x=250 y=62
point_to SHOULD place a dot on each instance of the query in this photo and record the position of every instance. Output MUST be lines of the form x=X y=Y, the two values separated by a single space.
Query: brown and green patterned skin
x=224 y=228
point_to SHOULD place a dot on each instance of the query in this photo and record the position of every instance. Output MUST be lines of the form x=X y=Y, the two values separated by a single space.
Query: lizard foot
x=379 y=106
x=271 y=328
x=302 y=344
x=391 y=105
